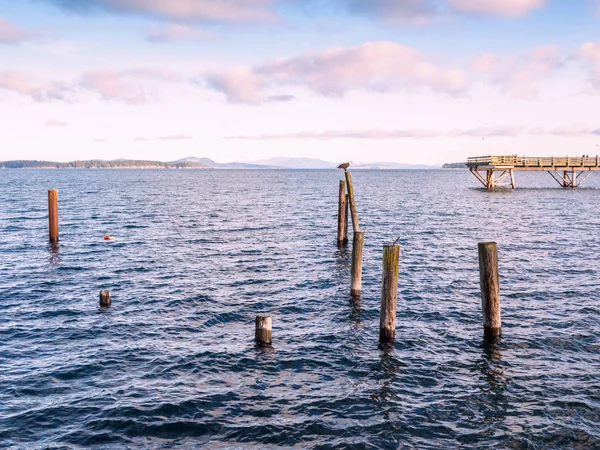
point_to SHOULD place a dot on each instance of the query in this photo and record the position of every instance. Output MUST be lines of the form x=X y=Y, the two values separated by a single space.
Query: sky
x=408 y=81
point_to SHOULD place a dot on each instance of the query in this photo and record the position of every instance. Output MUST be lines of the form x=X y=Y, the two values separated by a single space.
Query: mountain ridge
x=194 y=162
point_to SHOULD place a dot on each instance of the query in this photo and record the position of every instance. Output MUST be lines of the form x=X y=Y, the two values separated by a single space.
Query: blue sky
x=415 y=81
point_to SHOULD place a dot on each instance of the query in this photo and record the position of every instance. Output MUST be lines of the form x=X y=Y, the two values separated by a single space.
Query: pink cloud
x=239 y=84
x=501 y=131
x=11 y=34
x=590 y=52
x=175 y=137
x=501 y=8
x=347 y=134
x=520 y=75
x=127 y=86
x=177 y=32
x=56 y=123
x=373 y=66
x=485 y=63
x=483 y=132
x=22 y=84
x=565 y=131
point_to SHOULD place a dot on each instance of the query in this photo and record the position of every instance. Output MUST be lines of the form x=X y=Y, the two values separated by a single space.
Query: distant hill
x=87 y=164
x=298 y=163
x=194 y=162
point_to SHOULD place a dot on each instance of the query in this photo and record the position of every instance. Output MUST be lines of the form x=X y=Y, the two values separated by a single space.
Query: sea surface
x=198 y=254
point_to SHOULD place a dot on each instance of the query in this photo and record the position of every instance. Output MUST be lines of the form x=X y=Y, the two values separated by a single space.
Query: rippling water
x=197 y=254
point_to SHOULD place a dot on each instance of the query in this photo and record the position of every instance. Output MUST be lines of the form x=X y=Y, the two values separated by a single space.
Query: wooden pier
x=568 y=171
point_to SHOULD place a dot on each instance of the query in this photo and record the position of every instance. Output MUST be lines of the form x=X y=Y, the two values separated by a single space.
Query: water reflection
x=494 y=403
x=491 y=366
x=54 y=257
x=356 y=313
x=386 y=372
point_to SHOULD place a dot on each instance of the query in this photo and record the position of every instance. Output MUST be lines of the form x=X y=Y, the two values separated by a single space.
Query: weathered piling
x=53 y=216
x=389 y=293
x=105 y=299
x=353 y=212
x=490 y=289
x=263 y=334
x=357 y=263
x=342 y=234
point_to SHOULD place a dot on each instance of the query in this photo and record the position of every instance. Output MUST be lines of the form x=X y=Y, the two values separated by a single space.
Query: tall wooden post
x=353 y=211
x=342 y=234
x=490 y=289
x=263 y=334
x=389 y=293
x=357 y=262
x=53 y=216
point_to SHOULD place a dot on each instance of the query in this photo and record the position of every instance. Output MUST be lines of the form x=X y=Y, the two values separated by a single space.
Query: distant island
x=204 y=163
x=455 y=165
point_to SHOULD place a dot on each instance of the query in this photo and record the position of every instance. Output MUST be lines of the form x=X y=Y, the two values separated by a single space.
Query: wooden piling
x=490 y=289
x=353 y=212
x=105 y=299
x=342 y=234
x=389 y=293
x=263 y=334
x=53 y=216
x=357 y=263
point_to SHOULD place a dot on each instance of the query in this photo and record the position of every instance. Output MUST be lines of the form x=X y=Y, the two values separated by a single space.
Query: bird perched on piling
x=344 y=166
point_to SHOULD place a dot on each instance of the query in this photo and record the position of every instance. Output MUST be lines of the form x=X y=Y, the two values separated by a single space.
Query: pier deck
x=568 y=171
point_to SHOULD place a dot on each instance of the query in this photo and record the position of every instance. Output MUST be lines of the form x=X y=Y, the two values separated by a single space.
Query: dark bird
x=344 y=165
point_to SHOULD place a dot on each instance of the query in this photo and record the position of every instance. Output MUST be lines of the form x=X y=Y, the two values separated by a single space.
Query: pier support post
x=490 y=179
x=342 y=233
x=389 y=293
x=105 y=299
x=357 y=262
x=53 y=216
x=263 y=334
x=353 y=212
x=490 y=289
x=512 y=179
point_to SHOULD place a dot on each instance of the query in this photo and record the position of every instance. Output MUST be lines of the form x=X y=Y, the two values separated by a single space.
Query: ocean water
x=199 y=253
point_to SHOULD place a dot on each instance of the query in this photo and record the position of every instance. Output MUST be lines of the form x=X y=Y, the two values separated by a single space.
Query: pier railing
x=522 y=161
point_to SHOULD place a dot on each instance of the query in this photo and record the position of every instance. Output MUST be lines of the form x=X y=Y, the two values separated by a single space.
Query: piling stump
x=389 y=293
x=105 y=299
x=342 y=233
x=357 y=263
x=263 y=334
x=490 y=289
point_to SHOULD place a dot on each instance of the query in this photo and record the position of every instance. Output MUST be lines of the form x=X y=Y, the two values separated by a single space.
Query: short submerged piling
x=357 y=263
x=53 y=216
x=490 y=289
x=105 y=299
x=263 y=334
x=389 y=293
x=342 y=233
